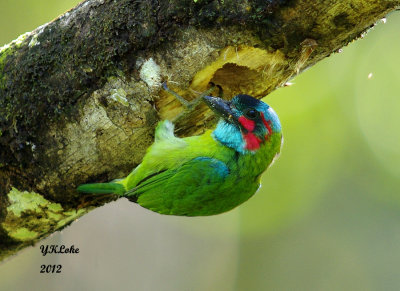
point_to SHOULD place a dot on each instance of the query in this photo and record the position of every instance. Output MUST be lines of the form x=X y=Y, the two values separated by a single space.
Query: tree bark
x=80 y=96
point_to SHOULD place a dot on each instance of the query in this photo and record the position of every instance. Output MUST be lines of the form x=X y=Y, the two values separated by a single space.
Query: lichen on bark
x=44 y=217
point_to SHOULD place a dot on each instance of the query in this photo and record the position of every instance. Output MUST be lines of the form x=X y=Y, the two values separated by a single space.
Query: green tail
x=102 y=188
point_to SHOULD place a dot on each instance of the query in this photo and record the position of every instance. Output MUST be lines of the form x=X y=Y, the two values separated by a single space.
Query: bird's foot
x=190 y=105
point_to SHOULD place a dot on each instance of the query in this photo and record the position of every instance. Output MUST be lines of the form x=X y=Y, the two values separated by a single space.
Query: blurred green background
x=326 y=218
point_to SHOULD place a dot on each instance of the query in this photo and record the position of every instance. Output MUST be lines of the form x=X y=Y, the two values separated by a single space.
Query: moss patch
x=23 y=234
x=29 y=201
x=4 y=52
x=31 y=216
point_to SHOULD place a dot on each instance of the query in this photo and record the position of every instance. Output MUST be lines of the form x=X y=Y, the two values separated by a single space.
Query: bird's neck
x=229 y=135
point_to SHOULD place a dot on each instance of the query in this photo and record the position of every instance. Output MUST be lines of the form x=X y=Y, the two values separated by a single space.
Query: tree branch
x=80 y=96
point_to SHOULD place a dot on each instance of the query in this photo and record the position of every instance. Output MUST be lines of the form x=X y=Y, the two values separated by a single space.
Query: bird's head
x=246 y=123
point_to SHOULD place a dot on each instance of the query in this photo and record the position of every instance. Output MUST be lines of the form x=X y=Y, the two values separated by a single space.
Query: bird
x=207 y=174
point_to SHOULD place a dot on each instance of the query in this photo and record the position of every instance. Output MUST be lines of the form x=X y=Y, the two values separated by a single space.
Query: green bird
x=206 y=174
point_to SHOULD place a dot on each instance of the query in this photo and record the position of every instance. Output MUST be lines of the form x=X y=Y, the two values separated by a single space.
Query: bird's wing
x=182 y=190
x=156 y=160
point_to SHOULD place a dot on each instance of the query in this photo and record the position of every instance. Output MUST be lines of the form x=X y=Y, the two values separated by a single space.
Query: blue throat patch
x=230 y=136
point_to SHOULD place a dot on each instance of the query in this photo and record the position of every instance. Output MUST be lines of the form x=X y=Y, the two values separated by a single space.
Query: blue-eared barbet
x=206 y=174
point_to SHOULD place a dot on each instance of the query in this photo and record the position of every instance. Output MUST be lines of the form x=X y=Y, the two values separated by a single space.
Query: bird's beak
x=220 y=106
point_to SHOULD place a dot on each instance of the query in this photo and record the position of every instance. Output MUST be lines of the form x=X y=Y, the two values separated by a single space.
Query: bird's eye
x=251 y=113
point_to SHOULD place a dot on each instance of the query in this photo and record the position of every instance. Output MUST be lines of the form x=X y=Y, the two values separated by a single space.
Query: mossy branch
x=80 y=96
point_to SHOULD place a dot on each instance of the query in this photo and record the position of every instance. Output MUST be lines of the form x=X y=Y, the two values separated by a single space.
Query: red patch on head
x=252 y=141
x=267 y=124
x=247 y=123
